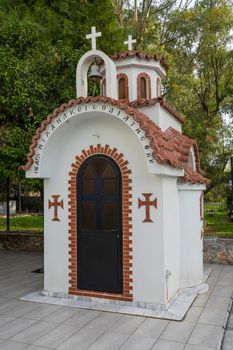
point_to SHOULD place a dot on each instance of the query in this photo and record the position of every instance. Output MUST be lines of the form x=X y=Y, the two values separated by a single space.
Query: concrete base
x=176 y=310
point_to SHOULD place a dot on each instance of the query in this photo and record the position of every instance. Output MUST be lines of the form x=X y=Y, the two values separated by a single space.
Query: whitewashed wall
x=148 y=258
x=191 y=241
x=161 y=117
x=158 y=247
x=171 y=236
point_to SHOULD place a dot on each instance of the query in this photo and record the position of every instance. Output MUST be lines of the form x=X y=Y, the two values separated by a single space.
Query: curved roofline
x=140 y=55
x=165 y=149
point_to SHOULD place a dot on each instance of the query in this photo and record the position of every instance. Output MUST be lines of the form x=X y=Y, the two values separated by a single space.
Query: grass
x=28 y=223
x=217 y=222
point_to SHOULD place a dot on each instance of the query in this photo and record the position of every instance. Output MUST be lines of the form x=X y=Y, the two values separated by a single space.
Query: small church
x=123 y=187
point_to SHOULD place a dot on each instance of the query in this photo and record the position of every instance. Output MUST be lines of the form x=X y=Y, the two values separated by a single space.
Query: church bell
x=95 y=73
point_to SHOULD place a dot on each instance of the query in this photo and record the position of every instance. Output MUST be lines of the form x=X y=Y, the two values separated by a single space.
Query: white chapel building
x=123 y=188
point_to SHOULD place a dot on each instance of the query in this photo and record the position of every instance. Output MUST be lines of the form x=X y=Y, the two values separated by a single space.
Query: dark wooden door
x=99 y=236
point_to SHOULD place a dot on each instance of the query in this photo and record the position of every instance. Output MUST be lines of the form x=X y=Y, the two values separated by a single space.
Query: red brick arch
x=126 y=223
x=148 y=80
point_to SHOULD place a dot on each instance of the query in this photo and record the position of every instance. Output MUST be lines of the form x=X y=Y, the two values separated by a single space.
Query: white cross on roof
x=93 y=37
x=130 y=42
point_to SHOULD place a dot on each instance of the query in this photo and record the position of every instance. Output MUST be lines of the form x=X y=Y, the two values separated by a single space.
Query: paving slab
x=84 y=338
x=216 y=302
x=60 y=315
x=30 y=334
x=135 y=342
x=152 y=328
x=228 y=341
x=205 y=335
x=23 y=324
x=112 y=339
x=178 y=332
x=15 y=327
x=33 y=347
x=56 y=337
x=167 y=345
x=214 y=317
x=127 y=324
x=9 y=345
x=197 y=347
x=106 y=320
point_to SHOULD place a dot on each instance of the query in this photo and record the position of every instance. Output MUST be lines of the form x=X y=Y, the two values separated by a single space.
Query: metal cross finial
x=130 y=42
x=93 y=37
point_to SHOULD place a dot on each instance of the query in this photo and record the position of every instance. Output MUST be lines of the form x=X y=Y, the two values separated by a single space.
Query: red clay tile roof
x=182 y=145
x=169 y=147
x=140 y=55
x=162 y=102
x=193 y=177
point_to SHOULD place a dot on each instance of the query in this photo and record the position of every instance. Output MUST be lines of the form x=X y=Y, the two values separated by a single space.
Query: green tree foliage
x=41 y=42
x=203 y=81
x=40 y=45
x=196 y=39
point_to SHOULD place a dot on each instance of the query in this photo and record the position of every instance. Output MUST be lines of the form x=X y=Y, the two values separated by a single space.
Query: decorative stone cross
x=55 y=204
x=93 y=37
x=147 y=203
x=130 y=42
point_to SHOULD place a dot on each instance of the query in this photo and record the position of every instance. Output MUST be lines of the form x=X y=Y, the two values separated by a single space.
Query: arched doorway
x=99 y=225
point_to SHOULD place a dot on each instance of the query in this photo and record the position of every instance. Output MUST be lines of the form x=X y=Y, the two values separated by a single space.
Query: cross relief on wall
x=147 y=203
x=55 y=204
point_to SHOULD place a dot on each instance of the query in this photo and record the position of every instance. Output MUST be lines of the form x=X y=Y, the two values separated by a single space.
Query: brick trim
x=123 y=76
x=127 y=294
x=148 y=81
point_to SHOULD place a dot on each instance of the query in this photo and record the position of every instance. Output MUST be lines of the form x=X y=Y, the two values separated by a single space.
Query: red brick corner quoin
x=126 y=221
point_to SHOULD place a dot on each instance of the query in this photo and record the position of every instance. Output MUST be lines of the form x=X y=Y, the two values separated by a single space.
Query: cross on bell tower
x=93 y=37
x=130 y=42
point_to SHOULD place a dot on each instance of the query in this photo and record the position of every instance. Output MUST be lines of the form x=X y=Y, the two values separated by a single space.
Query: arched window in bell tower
x=143 y=86
x=123 y=86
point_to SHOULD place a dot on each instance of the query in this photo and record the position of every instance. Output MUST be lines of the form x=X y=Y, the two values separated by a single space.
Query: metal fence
x=217 y=219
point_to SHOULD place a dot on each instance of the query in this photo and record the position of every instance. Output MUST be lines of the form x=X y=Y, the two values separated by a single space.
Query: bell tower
x=89 y=59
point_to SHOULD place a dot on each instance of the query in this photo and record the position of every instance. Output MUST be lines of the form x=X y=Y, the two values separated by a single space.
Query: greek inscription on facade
x=96 y=106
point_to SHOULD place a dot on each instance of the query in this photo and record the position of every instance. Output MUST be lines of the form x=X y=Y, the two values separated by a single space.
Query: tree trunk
x=8 y=203
x=20 y=199
x=135 y=11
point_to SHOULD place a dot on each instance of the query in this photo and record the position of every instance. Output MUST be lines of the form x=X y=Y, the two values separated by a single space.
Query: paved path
x=228 y=336
x=34 y=326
